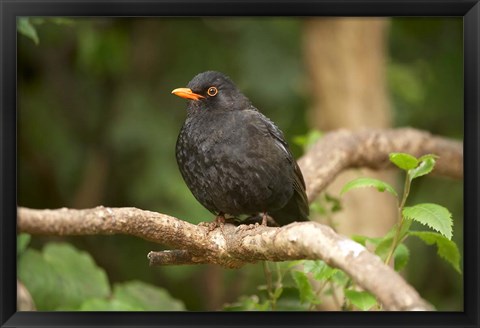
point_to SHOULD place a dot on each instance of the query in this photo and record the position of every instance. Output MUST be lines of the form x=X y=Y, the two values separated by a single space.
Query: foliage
x=97 y=125
x=367 y=182
x=308 y=140
x=26 y=28
x=26 y=25
x=433 y=216
x=60 y=277
x=314 y=280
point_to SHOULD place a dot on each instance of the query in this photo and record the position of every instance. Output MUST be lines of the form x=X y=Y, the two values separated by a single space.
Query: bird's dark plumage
x=234 y=159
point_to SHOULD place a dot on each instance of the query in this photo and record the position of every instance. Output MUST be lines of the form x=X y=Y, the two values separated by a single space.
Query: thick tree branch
x=342 y=149
x=233 y=247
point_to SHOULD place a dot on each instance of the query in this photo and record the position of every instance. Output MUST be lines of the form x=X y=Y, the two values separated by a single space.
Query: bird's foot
x=254 y=221
x=247 y=226
x=219 y=222
x=264 y=219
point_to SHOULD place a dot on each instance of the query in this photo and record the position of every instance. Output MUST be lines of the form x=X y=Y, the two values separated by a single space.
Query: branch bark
x=342 y=149
x=233 y=247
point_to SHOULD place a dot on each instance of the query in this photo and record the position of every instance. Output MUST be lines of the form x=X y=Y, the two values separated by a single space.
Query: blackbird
x=234 y=160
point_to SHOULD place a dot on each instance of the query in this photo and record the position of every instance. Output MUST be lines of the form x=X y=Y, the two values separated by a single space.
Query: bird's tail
x=295 y=210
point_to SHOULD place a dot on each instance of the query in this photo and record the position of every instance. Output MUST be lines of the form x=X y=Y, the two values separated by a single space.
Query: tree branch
x=233 y=247
x=342 y=149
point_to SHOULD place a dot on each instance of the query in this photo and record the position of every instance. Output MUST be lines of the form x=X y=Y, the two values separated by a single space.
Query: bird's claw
x=219 y=222
x=246 y=227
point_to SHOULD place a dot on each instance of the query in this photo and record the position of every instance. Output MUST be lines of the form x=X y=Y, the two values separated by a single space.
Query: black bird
x=233 y=158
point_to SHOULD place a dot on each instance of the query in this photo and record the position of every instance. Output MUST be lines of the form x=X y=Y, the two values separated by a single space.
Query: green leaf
x=319 y=269
x=446 y=248
x=404 y=161
x=364 y=239
x=362 y=300
x=401 y=256
x=146 y=297
x=428 y=156
x=383 y=247
x=23 y=240
x=54 y=20
x=340 y=277
x=316 y=207
x=368 y=182
x=432 y=215
x=247 y=303
x=27 y=29
x=334 y=201
x=278 y=292
x=289 y=301
x=426 y=166
x=61 y=277
x=101 y=304
x=308 y=140
x=304 y=287
x=295 y=263
x=384 y=244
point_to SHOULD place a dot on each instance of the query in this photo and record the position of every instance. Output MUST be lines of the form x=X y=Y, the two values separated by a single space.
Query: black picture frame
x=9 y=10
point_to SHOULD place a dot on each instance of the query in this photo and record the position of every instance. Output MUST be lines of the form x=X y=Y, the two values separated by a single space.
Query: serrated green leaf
x=446 y=248
x=426 y=166
x=61 y=277
x=432 y=215
x=362 y=300
x=304 y=287
x=400 y=257
x=428 y=156
x=368 y=182
x=27 y=29
x=23 y=240
x=404 y=161
x=147 y=297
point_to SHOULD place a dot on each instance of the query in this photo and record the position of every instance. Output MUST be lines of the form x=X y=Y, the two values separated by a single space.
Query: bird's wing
x=298 y=181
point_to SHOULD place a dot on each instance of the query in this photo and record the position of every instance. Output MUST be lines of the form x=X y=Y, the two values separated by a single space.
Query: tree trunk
x=346 y=62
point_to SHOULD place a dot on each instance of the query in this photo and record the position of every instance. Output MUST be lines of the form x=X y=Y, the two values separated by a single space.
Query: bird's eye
x=212 y=91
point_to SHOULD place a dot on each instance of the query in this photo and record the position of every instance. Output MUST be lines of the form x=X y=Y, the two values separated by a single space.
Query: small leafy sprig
x=433 y=216
x=310 y=281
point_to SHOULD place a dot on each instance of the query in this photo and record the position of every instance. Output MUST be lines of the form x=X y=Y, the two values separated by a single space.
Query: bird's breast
x=230 y=166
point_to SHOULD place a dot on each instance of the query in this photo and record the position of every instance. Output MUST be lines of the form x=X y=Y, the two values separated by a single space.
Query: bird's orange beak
x=187 y=94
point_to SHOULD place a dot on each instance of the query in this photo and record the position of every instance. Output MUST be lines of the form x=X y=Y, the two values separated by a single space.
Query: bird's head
x=212 y=91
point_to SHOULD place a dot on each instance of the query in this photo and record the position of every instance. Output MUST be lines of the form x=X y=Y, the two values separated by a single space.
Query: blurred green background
x=97 y=125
